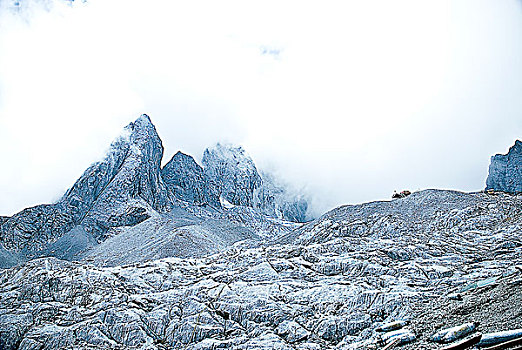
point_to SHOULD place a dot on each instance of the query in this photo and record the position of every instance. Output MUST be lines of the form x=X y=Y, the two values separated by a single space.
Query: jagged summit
x=232 y=173
x=129 y=171
x=128 y=187
x=505 y=170
x=186 y=181
x=120 y=190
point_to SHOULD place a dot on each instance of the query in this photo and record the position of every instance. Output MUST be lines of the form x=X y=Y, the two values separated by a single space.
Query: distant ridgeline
x=505 y=171
x=129 y=186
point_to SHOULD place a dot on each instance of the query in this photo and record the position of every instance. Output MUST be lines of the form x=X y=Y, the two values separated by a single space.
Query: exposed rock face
x=186 y=180
x=128 y=186
x=117 y=191
x=330 y=285
x=33 y=227
x=232 y=174
x=121 y=189
x=505 y=171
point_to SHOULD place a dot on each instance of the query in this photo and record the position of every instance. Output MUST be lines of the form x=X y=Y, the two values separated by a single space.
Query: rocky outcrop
x=186 y=180
x=505 y=171
x=34 y=227
x=231 y=173
x=120 y=190
x=130 y=170
x=3 y=219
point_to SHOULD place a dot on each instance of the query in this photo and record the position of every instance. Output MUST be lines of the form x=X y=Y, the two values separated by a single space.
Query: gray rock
x=232 y=174
x=34 y=227
x=292 y=331
x=332 y=278
x=120 y=190
x=505 y=171
x=8 y=258
x=110 y=193
x=186 y=180
x=3 y=219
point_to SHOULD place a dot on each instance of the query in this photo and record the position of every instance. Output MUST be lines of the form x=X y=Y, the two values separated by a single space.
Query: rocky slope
x=326 y=285
x=505 y=171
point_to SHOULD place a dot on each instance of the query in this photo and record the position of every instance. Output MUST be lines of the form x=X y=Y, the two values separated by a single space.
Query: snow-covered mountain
x=121 y=190
x=234 y=176
x=129 y=186
x=199 y=257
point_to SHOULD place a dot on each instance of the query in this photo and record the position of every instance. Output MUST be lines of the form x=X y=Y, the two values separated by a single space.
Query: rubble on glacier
x=329 y=284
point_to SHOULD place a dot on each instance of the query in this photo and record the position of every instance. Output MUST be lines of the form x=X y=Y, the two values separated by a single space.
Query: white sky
x=349 y=100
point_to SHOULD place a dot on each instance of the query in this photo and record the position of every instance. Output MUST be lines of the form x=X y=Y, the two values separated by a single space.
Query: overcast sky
x=348 y=100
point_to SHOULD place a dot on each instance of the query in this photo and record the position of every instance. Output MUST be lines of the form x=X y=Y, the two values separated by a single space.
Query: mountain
x=129 y=187
x=120 y=190
x=192 y=256
x=232 y=174
x=229 y=175
x=187 y=181
x=505 y=171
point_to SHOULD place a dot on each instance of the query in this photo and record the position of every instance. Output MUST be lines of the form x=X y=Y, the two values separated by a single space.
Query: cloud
x=348 y=99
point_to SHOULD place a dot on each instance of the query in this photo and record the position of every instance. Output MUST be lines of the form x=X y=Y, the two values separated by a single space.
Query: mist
x=345 y=100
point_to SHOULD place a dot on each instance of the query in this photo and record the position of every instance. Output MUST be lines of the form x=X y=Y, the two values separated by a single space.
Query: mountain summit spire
x=120 y=190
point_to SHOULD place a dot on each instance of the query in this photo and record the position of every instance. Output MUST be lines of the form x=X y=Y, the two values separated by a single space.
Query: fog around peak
x=347 y=101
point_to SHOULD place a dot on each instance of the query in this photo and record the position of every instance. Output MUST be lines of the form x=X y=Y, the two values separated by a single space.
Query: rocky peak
x=505 y=170
x=130 y=170
x=186 y=180
x=142 y=132
x=120 y=190
x=232 y=173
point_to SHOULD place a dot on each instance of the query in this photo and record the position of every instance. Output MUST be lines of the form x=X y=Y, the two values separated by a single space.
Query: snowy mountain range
x=220 y=256
x=129 y=186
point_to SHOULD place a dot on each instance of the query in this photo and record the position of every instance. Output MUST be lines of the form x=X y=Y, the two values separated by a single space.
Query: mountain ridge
x=129 y=186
